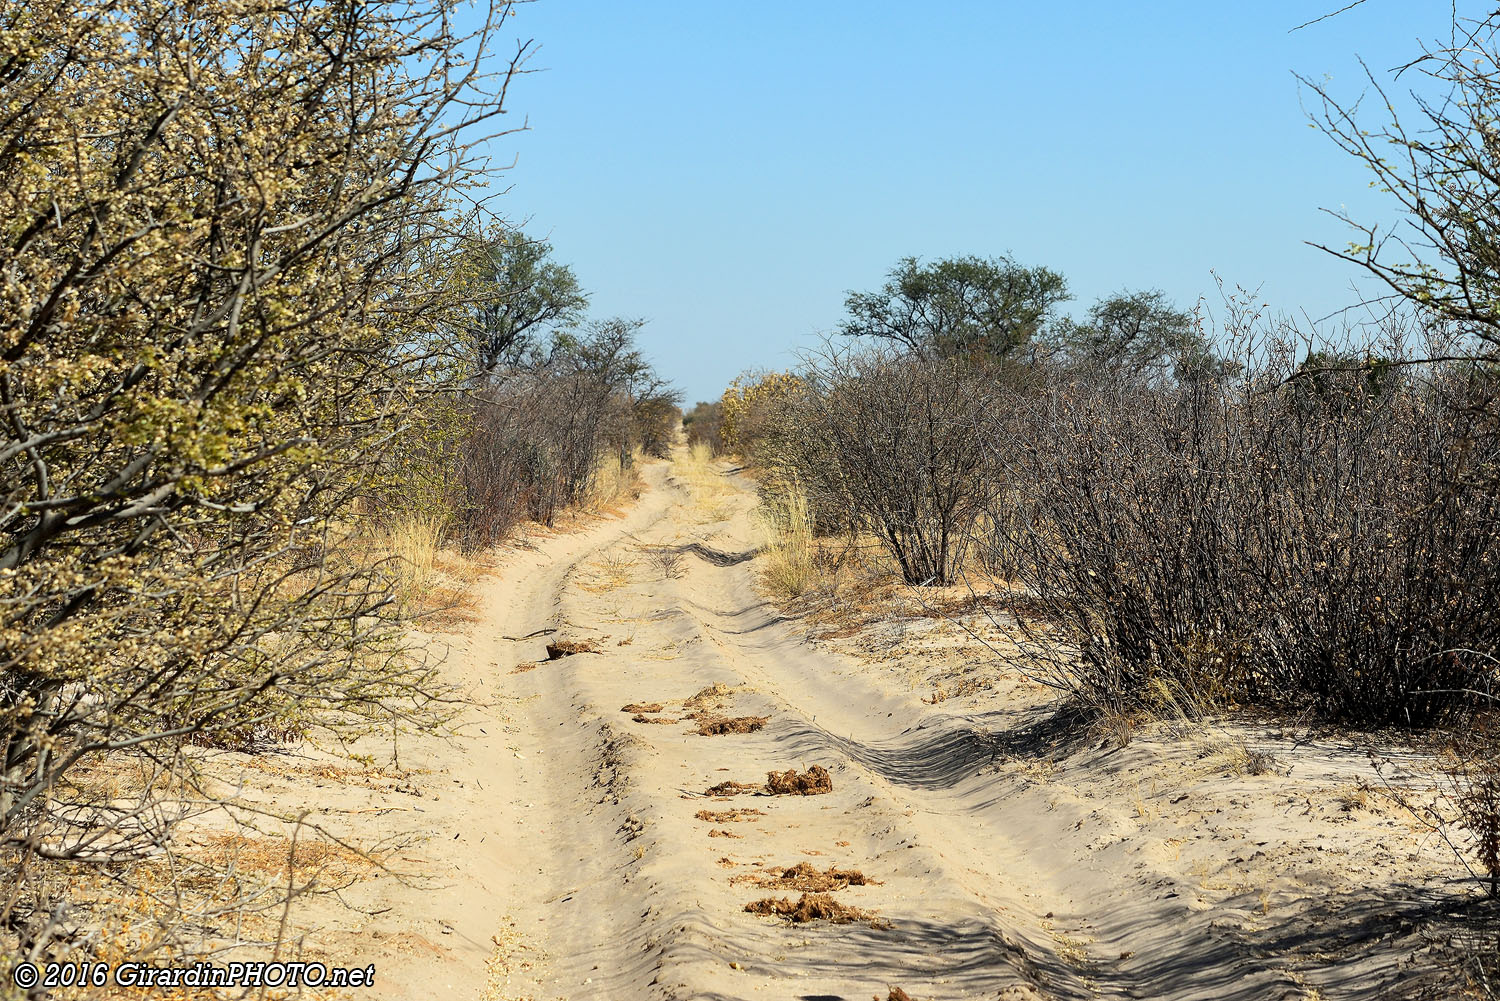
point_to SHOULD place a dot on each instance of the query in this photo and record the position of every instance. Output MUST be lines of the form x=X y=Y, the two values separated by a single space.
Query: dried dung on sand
x=709 y=726
x=638 y=718
x=566 y=648
x=813 y=782
x=728 y=816
x=810 y=907
x=808 y=878
x=731 y=789
x=642 y=707
x=709 y=697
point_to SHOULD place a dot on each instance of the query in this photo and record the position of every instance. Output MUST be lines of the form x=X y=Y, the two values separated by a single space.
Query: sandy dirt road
x=575 y=865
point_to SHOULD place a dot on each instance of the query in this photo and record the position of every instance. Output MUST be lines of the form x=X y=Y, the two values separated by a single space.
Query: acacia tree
x=520 y=293
x=1139 y=337
x=222 y=231
x=959 y=307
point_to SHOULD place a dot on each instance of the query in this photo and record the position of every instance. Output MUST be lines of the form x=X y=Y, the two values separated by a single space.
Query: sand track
x=993 y=882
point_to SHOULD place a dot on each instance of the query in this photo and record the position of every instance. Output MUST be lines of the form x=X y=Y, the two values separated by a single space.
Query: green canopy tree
x=958 y=307
x=1140 y=336
x=521 y=293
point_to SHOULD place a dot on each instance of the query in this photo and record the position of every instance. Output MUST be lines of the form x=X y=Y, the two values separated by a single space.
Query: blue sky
x=729 y=171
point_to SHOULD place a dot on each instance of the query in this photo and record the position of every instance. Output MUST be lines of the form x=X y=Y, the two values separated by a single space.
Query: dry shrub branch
x=229 y=238
x=1324 y=545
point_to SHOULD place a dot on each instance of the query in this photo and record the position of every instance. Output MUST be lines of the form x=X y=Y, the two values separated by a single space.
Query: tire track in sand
x=984 y=888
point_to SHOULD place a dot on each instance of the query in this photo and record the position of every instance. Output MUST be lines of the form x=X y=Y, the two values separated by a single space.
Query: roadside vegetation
x=1182 y=518
x=1239 y=516
x=272 y=381
x=263 y=360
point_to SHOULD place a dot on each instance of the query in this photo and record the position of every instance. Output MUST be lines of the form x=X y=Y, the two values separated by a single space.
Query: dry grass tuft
x=271 y=856
x=712 y=497
x=667 y=561
x=414 y=538
x=614 y=483
x=610 y=573
x=434 y=584
x=813 y=782
x=788 y=568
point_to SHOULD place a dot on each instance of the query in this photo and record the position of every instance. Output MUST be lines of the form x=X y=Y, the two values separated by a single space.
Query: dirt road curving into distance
x=1000 y=859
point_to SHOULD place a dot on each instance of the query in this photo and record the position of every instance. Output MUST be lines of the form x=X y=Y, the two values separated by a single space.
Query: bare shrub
x=562 y=430
x=1273 y=543
x=894 y=444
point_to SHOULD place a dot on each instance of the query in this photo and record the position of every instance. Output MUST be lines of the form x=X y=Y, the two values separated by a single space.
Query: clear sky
x=729 y=171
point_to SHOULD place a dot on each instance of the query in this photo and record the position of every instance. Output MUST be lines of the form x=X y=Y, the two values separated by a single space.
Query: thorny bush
x=226 y=228
x=1277 y=542
x=891 y=443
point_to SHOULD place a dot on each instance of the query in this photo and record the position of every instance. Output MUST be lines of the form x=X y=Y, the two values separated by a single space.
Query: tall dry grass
x=413 y=538
x=696 y=468
x=614 y=479
x=789 y=567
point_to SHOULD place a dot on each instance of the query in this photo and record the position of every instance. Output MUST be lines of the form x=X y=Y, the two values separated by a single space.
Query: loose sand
x=976 y=845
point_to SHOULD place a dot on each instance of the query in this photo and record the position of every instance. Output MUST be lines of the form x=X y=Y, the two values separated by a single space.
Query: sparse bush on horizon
x=704 y=423
x=543 y=434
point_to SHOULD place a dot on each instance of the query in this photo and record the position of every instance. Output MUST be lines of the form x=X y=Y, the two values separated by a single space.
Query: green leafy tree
x=1140 y=336
x=959 y=307
x=520 y=293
